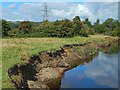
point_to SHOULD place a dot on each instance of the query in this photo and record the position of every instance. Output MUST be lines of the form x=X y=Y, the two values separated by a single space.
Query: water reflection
x=102 y=72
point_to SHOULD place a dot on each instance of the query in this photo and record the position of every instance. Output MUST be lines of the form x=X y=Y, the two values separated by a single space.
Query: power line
x=45 y=11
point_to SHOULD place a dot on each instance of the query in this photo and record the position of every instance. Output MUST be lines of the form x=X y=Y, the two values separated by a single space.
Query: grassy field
x=13 y=49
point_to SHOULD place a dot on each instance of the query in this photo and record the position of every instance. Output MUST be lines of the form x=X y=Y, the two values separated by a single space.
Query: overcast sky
x=15 y=11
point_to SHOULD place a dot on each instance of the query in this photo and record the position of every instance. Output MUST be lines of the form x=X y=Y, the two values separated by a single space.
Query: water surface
x=101 y=72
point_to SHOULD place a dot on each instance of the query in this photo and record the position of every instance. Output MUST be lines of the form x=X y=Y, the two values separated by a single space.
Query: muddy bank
x=46 y=69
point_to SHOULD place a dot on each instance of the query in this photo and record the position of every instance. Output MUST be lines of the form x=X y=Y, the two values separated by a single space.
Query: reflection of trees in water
x=113 y=49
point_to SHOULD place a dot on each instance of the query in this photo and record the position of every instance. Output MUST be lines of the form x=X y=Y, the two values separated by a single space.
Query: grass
x=13 y=49
x=0 y=64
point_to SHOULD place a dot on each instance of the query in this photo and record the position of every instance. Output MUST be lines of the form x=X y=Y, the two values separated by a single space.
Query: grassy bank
x=14 y=50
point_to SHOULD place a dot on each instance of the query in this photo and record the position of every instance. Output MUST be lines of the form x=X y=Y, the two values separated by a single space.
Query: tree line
x=60 y=28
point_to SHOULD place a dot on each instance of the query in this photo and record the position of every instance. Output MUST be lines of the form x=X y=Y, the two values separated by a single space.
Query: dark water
x=101 y=72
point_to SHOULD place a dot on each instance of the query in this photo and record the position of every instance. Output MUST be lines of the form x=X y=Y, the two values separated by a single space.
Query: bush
x=26 y=27
x=5 y=28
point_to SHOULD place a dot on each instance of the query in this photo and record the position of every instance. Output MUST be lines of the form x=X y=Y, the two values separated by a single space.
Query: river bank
x=46 y=69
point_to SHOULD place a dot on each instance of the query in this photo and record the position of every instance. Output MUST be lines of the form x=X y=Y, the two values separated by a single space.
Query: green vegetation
x=109 y=27
x=5 y=28
x=15 y=50
x=60 y=28
x=54 y=35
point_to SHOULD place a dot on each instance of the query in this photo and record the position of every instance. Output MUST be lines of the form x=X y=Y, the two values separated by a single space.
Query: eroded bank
x=46 y=69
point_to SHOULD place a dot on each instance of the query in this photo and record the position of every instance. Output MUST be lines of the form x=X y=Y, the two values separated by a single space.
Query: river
x=101 y=72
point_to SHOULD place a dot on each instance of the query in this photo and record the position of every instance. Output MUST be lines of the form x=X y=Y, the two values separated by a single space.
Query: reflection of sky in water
x=102 y=72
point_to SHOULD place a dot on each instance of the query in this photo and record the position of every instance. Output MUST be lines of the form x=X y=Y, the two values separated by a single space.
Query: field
x=14 y=49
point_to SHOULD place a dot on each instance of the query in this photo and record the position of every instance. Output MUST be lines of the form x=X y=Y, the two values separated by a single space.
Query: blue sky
x=15 y=11
x=44 y=0
x=59 y=0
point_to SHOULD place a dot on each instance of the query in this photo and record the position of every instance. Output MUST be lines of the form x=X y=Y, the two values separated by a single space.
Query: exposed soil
x=46 y=69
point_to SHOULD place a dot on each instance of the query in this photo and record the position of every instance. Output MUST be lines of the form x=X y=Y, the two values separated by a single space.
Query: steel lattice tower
x=45 y=11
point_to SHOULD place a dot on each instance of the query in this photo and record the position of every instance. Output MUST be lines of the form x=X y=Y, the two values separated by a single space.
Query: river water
x=101 y=72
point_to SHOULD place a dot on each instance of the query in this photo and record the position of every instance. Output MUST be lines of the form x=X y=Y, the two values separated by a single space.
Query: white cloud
x=106 y=70
x=103 y=10
x=102 y=1
x=61 y=13
x=101 y=72
x=89 y=10
x=72 y=11
x=11 y=6
x=0 y=11
x=83 y=10
x=60 y=0
x=108 y=10
x=27 y=11
x=61 y=10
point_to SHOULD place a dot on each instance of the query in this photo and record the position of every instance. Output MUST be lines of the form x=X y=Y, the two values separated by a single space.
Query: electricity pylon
x=45 y=11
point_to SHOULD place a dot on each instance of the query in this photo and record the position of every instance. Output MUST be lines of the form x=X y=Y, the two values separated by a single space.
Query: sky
x=59 y=0
x=18 y=10
x=101 y=72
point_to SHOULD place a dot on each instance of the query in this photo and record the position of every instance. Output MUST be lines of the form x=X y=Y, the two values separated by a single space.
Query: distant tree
x=88 y=23
x=57 y=22
x=116 y=31
x=46 y=28
x=64 y=28
x=98 y=28
x=13 y=25
x=97 y=21
x=0 y=28
x=76 y=19
x=77 y=25
x=91 y=30
x=111 y=26
x=26 y=26
x=5 y=28
x=84 y=30
x=60 y=28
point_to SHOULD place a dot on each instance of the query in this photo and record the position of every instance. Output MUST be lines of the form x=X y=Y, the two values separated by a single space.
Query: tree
x=63 y=28
x=46 y=28
x=76 y=19
x=14 y=25
x=98 y=28
x=60 y=28
x=88 y=23
x=84 y=30
x=5 y=28
x=27 y=27
x=111 y=26
x=77 y=25
x=116 y=31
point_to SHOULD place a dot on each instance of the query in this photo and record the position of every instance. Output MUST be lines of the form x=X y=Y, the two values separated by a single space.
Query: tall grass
x=13 y=49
